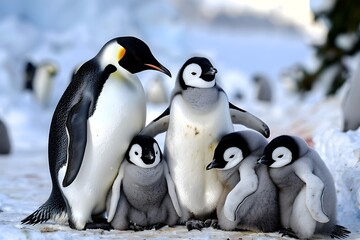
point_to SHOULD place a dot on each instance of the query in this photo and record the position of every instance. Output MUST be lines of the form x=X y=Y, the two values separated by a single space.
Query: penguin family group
x=109 y=172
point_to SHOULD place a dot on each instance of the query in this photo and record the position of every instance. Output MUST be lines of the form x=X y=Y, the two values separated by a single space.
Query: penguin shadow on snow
x=143 y=195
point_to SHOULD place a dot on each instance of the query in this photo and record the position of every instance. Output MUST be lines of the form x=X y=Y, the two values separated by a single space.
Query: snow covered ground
x=68 y=34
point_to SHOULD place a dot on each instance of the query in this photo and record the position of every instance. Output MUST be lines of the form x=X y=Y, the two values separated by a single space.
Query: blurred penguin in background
x=156 y=91
x=351 y=108
x=39 y=80
x=5 y=146
x=263 y=87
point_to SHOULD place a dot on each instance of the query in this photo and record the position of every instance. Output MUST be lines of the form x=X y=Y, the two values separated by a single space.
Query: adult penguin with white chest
x=198 y=116
x=101 y=110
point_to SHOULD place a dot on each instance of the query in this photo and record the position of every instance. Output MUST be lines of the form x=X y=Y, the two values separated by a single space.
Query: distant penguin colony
x=109 y=172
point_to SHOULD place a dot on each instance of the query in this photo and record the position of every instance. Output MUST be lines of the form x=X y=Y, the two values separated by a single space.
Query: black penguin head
x=231 y=150
x=131 y=54
x=197 y=72
x=144 y=152
x=281 y=151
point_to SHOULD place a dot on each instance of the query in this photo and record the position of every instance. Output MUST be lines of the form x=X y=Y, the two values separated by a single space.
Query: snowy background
x=242 y=38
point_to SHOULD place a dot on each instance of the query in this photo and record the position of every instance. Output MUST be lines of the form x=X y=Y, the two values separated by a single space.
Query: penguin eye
x=193 y=73
x=280 y=156
x=232 y=156
x=157 y=152
x=136 y=153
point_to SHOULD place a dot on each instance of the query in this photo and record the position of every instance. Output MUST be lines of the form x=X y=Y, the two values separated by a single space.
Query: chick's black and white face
x=145 y=157
x=199 y=73
x=232 y=156
x=281 y=156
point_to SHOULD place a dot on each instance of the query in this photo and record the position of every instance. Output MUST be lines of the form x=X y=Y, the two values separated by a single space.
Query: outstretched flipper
x=76 y=127
x=172 y=190
x=314 y=191
x=115 y=193
x=158 y=125
x=247 y=185
x=240 y=116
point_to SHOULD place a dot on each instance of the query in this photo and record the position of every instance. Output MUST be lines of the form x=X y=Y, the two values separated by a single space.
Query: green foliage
x=342 y=18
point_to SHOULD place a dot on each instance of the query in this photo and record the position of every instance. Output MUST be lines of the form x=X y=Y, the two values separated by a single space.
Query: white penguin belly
x=189 y=147
x=120 y=114
x=42 y=85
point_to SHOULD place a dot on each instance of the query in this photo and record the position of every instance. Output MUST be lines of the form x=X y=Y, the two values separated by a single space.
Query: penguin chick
x=307 y=195
x=249 y=200
x=101 y=110
x=143 y=193
x=198 y=116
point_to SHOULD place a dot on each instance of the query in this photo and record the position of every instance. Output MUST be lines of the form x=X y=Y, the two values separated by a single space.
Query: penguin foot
x=135 y=227
x=340 y=232
x=194 y=224
x=211 y=223
x=99 y=225
x=158 y=226
x=288 y=232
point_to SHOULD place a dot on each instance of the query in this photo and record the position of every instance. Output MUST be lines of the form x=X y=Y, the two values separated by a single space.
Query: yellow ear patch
x=121 y=53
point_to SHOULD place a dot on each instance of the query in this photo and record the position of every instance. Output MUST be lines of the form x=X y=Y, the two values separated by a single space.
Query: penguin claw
x=194 y=224
x=211 y=223
x=288 y=232
x=99 y=225
x=136 y=228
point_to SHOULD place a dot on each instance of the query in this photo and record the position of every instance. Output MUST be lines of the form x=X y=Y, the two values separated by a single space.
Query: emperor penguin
x=5 y=142
x=39 y=80
x=198 y=116
x=350 y=106
x=101 y=110
x=264 y=92
x=249 y=200
x=143 y=195
x=307 y=195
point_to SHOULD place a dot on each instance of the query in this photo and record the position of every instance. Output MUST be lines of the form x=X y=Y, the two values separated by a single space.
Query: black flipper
x=340 y=232
x=54 y=207
x=240 y=116
x=77 y=129
x=158 y=125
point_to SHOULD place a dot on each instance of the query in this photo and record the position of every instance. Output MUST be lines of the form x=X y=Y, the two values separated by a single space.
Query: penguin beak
x=209 y=75
x=212 y=165
x=212 y=71
x=263 y=160
x=149 y=156
x=159 y=68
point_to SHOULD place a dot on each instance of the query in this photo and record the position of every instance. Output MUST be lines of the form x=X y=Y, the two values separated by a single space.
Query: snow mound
x=341 y=152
